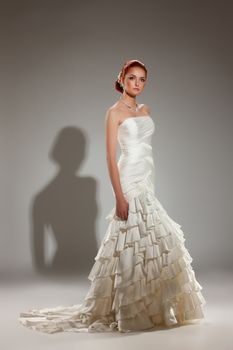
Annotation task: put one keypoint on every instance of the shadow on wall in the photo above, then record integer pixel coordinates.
(63, 214)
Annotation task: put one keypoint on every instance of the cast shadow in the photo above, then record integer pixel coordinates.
(65, 209)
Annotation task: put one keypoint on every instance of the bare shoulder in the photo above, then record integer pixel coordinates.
(145, 108)
(112, 113)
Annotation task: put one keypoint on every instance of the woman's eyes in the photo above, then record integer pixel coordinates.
(141, 79)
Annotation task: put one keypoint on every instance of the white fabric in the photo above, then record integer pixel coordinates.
(142, 275)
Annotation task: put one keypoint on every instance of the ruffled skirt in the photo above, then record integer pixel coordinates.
(142, 278)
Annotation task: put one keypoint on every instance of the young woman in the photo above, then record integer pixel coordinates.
(142, 277)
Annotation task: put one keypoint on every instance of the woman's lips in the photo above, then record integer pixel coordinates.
(136, 89)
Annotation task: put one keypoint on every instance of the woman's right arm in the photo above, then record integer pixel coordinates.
(111, 128)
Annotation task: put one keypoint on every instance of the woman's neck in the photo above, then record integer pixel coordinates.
(131, 100)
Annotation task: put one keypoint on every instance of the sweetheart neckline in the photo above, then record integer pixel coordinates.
(138, 116)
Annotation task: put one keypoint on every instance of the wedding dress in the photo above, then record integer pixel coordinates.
(142, 276)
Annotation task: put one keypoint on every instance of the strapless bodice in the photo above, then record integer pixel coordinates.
(136, 160)
(135, 131)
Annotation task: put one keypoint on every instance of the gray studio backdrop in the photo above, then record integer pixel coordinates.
(59, 61)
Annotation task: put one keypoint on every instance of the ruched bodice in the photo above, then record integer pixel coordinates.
(136, 163)
(135, 131)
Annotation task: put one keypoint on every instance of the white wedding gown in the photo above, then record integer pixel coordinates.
(142, 276)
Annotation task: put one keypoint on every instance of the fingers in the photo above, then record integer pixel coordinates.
(122, 211)
(122, 215)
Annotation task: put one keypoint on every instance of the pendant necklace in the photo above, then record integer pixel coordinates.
(130, 107)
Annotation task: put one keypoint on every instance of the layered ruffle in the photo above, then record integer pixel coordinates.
(152, 281)
(142, 277)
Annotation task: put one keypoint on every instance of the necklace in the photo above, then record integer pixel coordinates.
(136, 108)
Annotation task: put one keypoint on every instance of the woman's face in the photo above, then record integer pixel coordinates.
(134, 81)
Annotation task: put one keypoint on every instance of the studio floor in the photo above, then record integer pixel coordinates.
(21, 294)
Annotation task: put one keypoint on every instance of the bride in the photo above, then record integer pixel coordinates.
(142, 277)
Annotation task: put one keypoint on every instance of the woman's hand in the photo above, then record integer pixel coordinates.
(122, 208)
